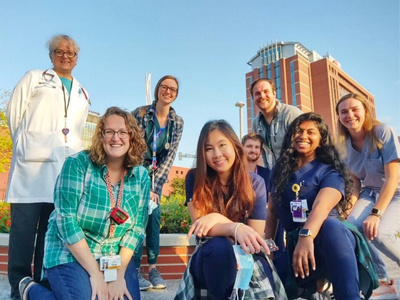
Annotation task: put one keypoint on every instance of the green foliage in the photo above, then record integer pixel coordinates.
(174, 214)
(5, 217)
(5, 138)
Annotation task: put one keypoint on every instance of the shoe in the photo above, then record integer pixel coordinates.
(386, 290)
(156, 279)
(143, 283)
(24, 286)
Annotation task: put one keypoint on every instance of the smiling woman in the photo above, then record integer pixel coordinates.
(95, 219)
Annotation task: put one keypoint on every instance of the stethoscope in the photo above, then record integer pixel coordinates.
(48, 78)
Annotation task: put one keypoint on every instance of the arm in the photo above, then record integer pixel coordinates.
(272, 221)
(165, 164)
(19, 102)
(303, 255)
(355, 192)
(118, 288)
(388, 189)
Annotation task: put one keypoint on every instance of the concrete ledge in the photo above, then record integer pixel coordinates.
(166, 240)
(4, 237)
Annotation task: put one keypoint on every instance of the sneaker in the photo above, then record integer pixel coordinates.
(386, 290)
(24, 286)
(143, 283)
(156, 279)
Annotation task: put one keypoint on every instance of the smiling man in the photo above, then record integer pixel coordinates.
(272, 121)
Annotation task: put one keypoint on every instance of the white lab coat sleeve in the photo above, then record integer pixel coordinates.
(19, 101)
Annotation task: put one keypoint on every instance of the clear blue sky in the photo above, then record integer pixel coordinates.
(206, 44)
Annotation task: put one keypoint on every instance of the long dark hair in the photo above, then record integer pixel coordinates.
(210, 195)
(326, 153)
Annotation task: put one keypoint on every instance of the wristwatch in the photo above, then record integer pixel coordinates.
(305, 232)
(376, 212)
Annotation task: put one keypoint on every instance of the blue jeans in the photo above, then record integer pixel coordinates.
(213, 268)
(387, 241)
(71, 282)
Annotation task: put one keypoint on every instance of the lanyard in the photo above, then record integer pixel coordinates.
(112, 198)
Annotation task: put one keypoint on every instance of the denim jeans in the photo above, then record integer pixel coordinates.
(387, 241)
(71, 282)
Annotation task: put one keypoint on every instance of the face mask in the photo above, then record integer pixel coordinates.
(152, 206)
(245, 270)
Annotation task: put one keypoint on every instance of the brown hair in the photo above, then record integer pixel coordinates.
(159, 83)
(270, 81)
(137, 146)
(369, 124)
(252, 136)
(238, 197)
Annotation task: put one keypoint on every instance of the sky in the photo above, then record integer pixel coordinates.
(206, 44)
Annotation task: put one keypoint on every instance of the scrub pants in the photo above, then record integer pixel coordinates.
(213, 268)
(152, 239)
(71, 282)
(334, 251)
(27, 221)
(388, 240)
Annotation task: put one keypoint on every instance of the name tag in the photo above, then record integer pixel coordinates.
(109, 265)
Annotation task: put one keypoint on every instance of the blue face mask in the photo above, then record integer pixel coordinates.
(245, 270)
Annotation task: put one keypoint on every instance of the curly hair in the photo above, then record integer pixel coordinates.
(137, 145)
(369, 124)
(210, 195)
(326, 153)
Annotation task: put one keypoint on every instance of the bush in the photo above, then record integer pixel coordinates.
(5, 217)
(174, 214)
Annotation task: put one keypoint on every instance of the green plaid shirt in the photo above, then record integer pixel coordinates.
(82, 208)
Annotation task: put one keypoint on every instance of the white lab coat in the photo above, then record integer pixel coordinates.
(36, 118)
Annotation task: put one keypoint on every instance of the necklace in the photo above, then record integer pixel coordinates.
(65, 130)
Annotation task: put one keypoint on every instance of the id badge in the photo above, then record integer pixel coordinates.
(299, 210)
(109, 265)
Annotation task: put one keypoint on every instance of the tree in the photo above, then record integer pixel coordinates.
(5, 137)
(178, 186)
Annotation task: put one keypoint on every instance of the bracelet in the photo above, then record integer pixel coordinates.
(237, 226)
(376, 215)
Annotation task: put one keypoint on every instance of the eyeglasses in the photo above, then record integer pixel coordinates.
(60, 53)
(108, 133)
(165, 88)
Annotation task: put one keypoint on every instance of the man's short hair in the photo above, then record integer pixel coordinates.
(252, 136)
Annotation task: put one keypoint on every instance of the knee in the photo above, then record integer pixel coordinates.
(218, 246)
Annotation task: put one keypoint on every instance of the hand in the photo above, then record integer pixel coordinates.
(370, 226)
(205, 223)
(303, 256)
(117, 289)
(99, 286)
(154, 197)
(250, 240)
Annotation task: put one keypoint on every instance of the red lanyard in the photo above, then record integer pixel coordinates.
(111, 194)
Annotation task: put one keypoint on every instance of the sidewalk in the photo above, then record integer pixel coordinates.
(172, 286)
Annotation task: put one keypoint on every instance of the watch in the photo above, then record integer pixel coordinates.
(376, 212)
(305, 232)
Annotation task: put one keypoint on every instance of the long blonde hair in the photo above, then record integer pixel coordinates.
(369, 125)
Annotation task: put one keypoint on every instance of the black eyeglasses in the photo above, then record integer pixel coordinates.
(60, 53)
(108, 133)
(165, 88)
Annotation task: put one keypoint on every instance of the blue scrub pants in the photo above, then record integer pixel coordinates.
(152, 239)
(71, 282)
(334, 250)
(213, 268)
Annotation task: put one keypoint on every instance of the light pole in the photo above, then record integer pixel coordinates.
(240, 105)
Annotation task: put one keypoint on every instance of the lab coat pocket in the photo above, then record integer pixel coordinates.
(40, 146)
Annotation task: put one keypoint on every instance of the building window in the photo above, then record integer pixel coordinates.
(293, 83)
(269, 71)
(260, 73)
